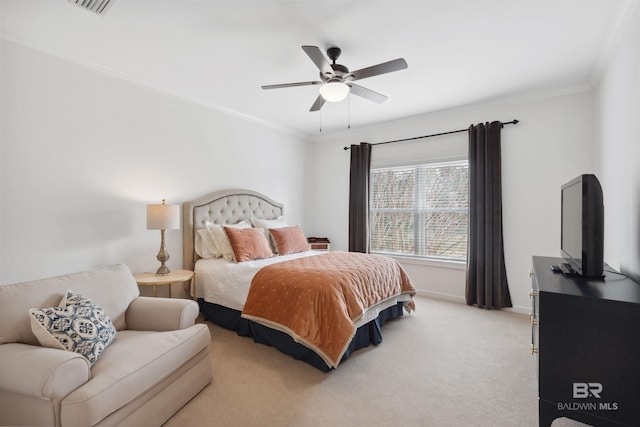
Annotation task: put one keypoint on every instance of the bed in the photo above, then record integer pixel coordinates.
(318, 307)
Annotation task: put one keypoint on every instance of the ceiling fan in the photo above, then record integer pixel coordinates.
(336, 79)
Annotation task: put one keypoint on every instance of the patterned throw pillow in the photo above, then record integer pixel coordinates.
(77, 324)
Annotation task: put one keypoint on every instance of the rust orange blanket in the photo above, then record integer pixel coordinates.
(318, 300)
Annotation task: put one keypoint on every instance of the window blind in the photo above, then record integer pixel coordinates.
(420, 210)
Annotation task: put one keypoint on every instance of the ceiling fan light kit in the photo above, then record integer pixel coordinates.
(334, 91)
(336, 79)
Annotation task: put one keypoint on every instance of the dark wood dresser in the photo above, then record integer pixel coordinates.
(586, 337)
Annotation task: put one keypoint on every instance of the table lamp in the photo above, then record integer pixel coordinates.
(163, 217)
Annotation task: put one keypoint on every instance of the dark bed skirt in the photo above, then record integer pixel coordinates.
(366, 334)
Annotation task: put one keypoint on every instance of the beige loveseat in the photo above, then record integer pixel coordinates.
(158, 361)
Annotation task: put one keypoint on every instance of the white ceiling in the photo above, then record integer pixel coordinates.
(219, 53)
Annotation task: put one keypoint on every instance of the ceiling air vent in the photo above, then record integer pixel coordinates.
(97, 6)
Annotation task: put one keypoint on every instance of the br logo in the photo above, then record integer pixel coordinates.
(585, 390)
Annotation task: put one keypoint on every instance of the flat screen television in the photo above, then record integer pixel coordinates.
(582, 228)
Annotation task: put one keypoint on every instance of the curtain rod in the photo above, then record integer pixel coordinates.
(512, 122)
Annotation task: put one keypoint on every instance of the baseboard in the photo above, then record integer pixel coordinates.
(455, 298)
(520, 309)
(439, 295)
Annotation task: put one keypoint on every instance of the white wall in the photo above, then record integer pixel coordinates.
(618, 150)
(552, 144)
(83, 153)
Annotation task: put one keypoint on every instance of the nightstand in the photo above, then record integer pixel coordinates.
(319, 243)
(176, 276)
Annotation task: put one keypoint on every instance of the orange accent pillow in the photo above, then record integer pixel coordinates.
(248, 243)
(289, 240)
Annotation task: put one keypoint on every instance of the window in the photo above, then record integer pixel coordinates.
(420, 210)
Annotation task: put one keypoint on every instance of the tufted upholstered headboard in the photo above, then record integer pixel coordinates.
(222, 207)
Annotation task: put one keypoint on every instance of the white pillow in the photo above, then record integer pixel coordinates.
(77, 324)
(267, 224)
(205, 246)
(222, 240)
(197, 244)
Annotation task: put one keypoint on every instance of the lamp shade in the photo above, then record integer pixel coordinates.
(163, 217)
(334, 91)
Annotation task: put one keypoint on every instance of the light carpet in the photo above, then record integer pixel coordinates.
(447, 364)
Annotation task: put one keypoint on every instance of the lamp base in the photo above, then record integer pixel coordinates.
(163, 270)
(163, 256)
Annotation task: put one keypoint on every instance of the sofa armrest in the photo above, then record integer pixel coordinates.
(161, 314)
(41, 371)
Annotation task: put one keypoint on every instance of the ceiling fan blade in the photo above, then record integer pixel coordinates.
(291, 85)
(375, 70)
(318, 104)
(367, 93)
(318, 58)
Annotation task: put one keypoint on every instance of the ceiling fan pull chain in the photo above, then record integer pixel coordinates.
(349, 111)
(320, 120)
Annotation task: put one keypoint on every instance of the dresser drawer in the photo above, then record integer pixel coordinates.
(319, 243)
(320, 246)
(584, 334)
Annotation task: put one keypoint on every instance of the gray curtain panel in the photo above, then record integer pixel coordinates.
(487, 285)
(359, 198)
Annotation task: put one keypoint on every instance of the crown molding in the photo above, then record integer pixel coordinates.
(400, 125)
(140, 81)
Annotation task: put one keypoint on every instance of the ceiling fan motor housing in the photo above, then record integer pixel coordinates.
(340, 72)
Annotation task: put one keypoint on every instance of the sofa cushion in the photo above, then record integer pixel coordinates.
(113, 288)
(77, 324)
(133, 363)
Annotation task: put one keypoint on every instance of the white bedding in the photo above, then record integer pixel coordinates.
(227, 283)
